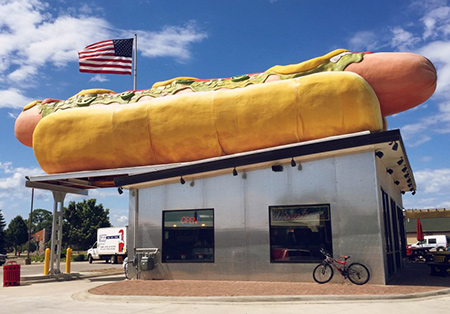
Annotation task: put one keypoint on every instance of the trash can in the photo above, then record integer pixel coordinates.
(11, 274)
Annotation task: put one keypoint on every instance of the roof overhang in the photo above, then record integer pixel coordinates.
(55, 187)
(381, 142)
(427, 213)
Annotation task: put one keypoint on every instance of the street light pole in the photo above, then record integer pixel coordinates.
(28, 259)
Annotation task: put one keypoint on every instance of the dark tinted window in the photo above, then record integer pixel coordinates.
(298, 232)
(188, 236)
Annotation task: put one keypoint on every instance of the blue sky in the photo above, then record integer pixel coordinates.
(39, 40)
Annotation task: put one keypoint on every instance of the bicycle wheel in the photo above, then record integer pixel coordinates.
(358, 273)
(323, 273)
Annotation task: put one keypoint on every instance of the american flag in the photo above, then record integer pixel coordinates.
(108, 56)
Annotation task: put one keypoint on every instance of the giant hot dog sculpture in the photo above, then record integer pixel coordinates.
(187, 119)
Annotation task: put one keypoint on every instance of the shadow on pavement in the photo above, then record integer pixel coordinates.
(418, 274)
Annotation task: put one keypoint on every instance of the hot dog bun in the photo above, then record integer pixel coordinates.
(185, 118)
(400, 81)
(194, 126)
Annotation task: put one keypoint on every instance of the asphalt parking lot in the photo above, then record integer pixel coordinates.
(37, 269)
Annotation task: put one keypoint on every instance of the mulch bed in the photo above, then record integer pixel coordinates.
(181, 288)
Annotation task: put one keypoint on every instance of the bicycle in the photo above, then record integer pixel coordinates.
(125, 267)
(357, 273)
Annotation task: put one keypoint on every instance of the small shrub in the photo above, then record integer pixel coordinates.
(78, 258)
(37, 258)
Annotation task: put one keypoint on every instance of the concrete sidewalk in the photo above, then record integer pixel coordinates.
(72, 297)
(76, 296)
(414, 281)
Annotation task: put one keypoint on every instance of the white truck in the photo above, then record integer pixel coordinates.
(434, 243)
(111, 245)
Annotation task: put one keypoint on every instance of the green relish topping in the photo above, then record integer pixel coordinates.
(334, 64)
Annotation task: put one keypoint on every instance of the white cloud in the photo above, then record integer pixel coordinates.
(436, 22)
(421, 131)
(433, 181)
(420, 140)
(99, 78)
(403, 40)
(419, 202)
(118, 217)
(116, 203)
(432, 41)
(438, 52)
(172, 41)
(88, 9)
(13, 98)
(426, 159)
(15, 197)
(365, 40)
(123, 220)
(13, 192)
(22, 73)
(31, 38)
(118, 220)
(107, 193)
(12, 179)
(410, 131)
(432, 189)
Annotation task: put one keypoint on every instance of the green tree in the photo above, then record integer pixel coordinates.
(81, 221)
(2, 234)
(41, 219)
(17, 232)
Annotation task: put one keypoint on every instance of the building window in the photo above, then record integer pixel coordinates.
(188, 236)
(297, 233)
(389, 247)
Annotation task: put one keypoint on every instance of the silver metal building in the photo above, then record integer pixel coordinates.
(264, 215)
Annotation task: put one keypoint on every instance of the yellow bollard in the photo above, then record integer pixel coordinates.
(47, 261)
(68, 259)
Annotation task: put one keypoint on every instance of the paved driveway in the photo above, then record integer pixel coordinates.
(73, 297)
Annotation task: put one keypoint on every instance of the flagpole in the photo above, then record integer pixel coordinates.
(135, 61)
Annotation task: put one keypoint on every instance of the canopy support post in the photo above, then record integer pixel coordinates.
(56, 241)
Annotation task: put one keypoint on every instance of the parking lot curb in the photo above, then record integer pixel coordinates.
(67, 277)
(87, 296)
